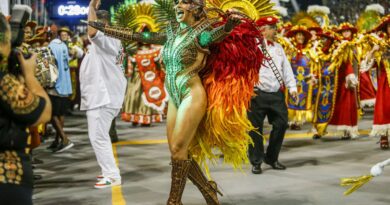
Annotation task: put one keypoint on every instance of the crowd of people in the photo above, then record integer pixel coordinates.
(304, 71)
(350, 10)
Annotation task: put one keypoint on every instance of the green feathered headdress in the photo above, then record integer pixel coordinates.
(367, 21)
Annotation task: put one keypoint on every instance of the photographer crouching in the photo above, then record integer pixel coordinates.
(22, 103)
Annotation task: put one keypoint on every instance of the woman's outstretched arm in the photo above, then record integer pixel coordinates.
(126, 34)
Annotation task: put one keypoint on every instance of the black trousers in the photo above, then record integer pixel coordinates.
(273, 106)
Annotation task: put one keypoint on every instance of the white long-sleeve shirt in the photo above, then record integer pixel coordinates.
(102, 81)
(268, 81)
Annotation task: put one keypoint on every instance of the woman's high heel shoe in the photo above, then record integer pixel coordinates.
(180, 170)
(209, 189)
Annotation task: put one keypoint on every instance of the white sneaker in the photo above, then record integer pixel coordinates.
(107, 182)
(63, 147)
(99, 177)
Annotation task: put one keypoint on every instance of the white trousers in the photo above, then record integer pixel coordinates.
(99, 122)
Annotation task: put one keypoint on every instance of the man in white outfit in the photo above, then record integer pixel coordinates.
(102, 85)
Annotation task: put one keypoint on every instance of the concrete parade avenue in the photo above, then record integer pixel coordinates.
(314, 169)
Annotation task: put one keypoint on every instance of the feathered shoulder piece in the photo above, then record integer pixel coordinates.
(344, 53)
(230, 75)
(231, 72)
(369, 40)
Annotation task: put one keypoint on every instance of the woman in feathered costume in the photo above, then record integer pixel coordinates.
(211, 68)
(379, 57)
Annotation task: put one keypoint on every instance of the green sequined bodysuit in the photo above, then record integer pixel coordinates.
(180, 53)
(184, 53)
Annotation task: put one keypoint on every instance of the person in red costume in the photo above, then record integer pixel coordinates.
(345, 113)
(379, 57)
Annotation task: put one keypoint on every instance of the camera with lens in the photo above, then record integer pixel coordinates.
(19, 17)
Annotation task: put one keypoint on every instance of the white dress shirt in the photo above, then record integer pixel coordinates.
(102, 81)
(268, 81)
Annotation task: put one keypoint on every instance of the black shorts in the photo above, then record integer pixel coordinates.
(59, 105)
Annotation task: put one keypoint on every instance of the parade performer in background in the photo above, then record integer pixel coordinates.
(368, 79)
(211, 68)
(345, 112)
(304, 65)
(324, 101)
(59, 95)
(29, 30)
(379, 57)
(146, 97)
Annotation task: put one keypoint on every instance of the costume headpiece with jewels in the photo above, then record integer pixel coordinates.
(346, 26)
(382, 26)
(299, 29)
(144, 13)
(254, 9)
(137, 17)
